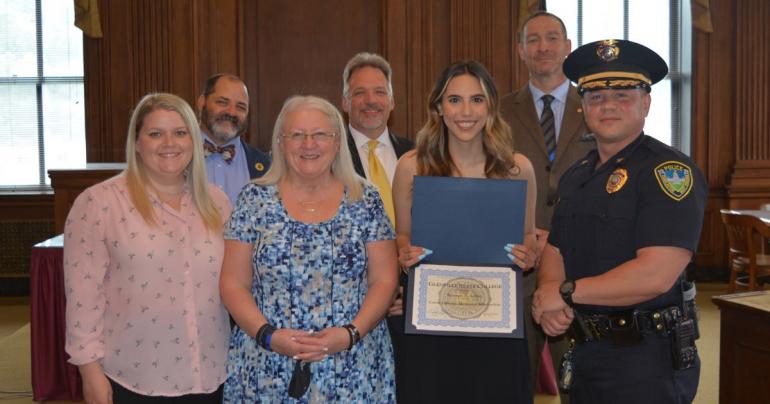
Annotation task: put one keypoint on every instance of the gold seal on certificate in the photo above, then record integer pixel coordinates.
(468, 286)
(464, 300)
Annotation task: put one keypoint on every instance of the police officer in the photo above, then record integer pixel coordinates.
(626, 225)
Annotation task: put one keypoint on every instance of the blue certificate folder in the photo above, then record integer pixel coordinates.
(468, 221)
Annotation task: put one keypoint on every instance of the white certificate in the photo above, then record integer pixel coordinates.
(464, 300)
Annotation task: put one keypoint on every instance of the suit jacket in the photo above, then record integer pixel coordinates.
(519, 111)
(257, 161)
(400, 144)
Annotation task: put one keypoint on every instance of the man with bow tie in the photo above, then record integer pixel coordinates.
(223, 111)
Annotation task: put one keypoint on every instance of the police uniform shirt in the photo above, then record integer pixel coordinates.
(647, 195)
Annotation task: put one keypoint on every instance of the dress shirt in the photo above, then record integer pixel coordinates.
(230, 177)
(557, 105)
(385, 152)
(142, 299)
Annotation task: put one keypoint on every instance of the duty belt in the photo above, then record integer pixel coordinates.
(623, 328)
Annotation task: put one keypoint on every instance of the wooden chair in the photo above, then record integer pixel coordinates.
(747, 235)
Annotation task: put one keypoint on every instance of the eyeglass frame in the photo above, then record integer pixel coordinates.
(299, 137)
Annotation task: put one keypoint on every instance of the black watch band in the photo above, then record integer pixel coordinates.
(566, 290)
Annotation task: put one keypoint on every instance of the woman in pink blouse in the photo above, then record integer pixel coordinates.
(142, 256)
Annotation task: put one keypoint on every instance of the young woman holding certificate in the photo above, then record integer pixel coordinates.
(464, 137)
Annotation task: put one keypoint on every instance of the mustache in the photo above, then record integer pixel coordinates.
(228, 118)
(373, 106)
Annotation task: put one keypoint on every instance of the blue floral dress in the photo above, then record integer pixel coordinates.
(309, 277)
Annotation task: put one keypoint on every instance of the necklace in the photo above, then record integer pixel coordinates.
(310, 206)
(314, 197)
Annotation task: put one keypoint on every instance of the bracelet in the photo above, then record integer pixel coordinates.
(264, 335)
(355, 336)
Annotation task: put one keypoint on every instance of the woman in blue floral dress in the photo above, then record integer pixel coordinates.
(310, 270)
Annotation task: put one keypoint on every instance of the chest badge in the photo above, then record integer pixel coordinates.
(675, 179)
(259, 166)
(616, 181)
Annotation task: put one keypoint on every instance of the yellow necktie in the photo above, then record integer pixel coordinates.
(380, 179)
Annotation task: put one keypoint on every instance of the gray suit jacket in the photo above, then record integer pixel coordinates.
(519, 112)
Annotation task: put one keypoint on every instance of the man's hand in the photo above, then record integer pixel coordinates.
(397, 307)
(547, 299)
(542, 238)
(555, 323)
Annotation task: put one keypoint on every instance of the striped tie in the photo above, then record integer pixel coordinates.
(380, 179)
(548, 127)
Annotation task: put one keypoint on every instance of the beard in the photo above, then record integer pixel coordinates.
(223, 127)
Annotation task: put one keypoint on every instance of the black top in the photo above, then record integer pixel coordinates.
(648, 194)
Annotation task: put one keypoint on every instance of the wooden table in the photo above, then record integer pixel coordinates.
(53, 378)
(744, 353)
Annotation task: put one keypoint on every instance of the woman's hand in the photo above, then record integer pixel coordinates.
(331, 340)
(410, 255)
(297, 344)
(96, 386)
(522, 256)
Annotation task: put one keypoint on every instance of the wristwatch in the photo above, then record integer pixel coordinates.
(566, 290)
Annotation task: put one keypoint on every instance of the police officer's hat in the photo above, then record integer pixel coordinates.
(614, 64)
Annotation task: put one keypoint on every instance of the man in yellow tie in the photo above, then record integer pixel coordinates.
(367, 98)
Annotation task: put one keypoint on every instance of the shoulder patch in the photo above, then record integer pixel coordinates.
(674, 178)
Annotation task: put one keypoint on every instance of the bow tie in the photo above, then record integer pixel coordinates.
(227, 152)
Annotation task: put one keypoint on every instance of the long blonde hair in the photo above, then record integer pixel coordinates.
(195, 173)
(433, 156)
(342, 166)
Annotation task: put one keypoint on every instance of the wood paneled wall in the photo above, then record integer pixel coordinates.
(281, 48)
(750, 179)
(731, 128)
(148, 46)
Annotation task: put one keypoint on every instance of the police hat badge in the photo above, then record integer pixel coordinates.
(614, 64)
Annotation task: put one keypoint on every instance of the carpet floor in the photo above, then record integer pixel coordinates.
(16, 386)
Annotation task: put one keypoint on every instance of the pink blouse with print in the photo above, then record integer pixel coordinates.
(142, 299)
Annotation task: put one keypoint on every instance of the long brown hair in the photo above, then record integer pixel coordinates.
(432, 140)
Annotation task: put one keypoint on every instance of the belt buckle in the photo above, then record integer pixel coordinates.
(624, 329)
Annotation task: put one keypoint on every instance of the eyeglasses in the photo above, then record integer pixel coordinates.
(299, 137)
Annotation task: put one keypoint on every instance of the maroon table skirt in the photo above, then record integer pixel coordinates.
(53, 378)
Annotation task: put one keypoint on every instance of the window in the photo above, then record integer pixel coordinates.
(643, 21)
(42, 115)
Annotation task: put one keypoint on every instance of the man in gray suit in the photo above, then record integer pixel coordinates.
(548, 127)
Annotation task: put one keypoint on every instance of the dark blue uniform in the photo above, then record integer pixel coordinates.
(647, 195)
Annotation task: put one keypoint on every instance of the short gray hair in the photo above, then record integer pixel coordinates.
(366, 59)
(342, 166)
